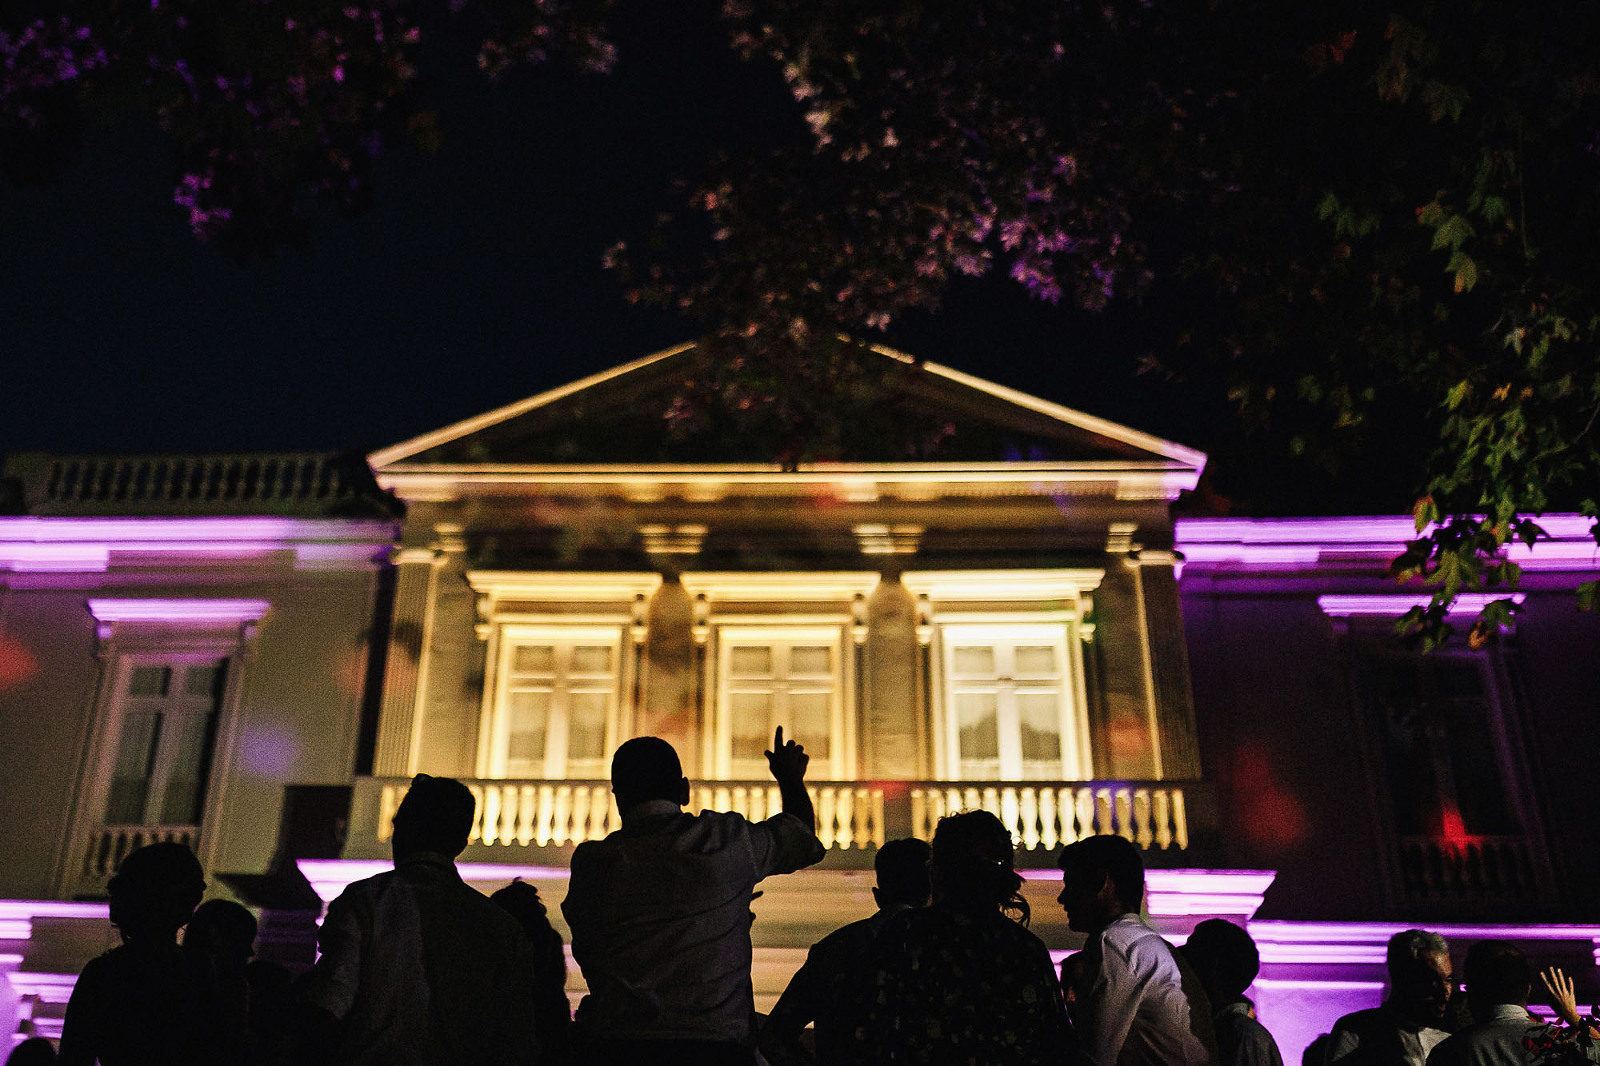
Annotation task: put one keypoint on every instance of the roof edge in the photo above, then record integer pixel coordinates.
(1170, 450)
(1071, 415)
(395, 452)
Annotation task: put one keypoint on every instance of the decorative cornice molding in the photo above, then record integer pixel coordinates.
(560, 586)
(672, 540)
(803, 586)
(876, 539)
(30, 544)
(1288, 544)
(846, 482)
(1393, 605)
(1027, 586)
(191, 611)
(1119, 538)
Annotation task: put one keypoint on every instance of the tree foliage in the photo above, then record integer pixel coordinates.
(1360, 219)
(267, 106)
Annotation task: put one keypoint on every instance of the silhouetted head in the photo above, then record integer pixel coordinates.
(521, 900)
(902, 868)
(224, 932)
(1225, 959)
(1497, 972)
(646, 768)
(1102, 878)
(1419, 975)
(155, 891)
(34, 1051)
(436, 815)
(970, 865)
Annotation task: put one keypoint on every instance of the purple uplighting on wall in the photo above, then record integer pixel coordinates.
(1395, 604)
(1289, 542)
(33, 545)
(178, 610)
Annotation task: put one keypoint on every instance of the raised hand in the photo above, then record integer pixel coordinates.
(1563, 994)
(786, 760)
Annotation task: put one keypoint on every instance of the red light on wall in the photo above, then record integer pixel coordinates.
(1451, 828)
(1270, 815)
(17, 663)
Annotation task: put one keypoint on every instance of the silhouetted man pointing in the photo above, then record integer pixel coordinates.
(660, 910)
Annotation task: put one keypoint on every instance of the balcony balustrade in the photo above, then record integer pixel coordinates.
(850, 814)
(110, 844)
(269, 483)
(1474, 871)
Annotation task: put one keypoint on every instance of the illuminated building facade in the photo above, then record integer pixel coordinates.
(256, 660)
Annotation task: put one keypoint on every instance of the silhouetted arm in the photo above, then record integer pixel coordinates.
(788, 764)
(332, 984)
(796, 1008)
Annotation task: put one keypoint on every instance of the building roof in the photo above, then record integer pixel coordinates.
(618, 417)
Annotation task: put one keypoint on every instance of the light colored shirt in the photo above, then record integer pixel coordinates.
(1501, 1039)
(1144, 1006)
(1243, 1041)
(660, 918)
(422, 969)
(1382, 1031)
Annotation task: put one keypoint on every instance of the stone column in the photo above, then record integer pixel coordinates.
(670, 710)
(1123, 720)
(1169, 667)
(405, 668)
(890, 742)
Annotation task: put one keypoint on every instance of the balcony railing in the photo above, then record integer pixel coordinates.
(110, 844)
(1475, 870)
(1151, 815)
(850, 814)
(287, 483)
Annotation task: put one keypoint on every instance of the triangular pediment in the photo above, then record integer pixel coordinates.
(900, 411)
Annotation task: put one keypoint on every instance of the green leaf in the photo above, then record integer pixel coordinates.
(1452, 233)
(1589, 596)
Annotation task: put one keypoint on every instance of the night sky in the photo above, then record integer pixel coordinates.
(475, 280)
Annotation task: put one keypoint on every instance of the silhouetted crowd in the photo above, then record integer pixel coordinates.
(416, 967)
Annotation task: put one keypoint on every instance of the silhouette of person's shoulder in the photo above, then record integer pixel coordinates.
(138, 1004)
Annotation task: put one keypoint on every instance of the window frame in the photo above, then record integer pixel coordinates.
(1018, 630)
(133, 632)
(1010, 599)
(749, 633)
(494, 733)
(1362, 638)
(125, 704)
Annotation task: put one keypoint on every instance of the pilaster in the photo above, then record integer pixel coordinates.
(405, 669)
(1169, 667)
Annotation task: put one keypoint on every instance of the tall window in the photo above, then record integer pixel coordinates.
(1444, 750)
(1008, 709)
(779, 676)
(556, 705)
(168, 716)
